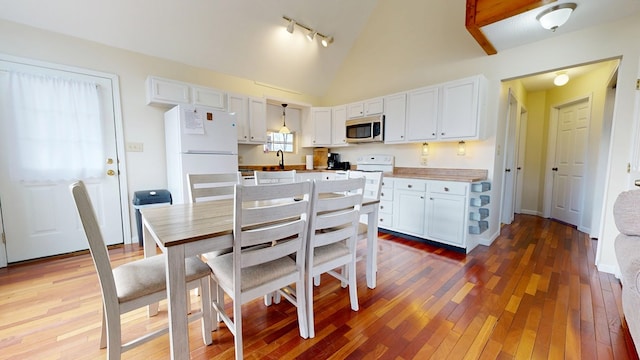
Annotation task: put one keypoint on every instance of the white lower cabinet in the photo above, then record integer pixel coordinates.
(409, 206)
(446, 212)
(434, 210)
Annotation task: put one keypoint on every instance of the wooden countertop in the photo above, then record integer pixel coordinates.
(443, 174)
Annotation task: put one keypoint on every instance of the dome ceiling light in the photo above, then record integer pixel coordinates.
(554, 17)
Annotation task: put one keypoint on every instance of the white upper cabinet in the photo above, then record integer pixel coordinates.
(446, 112)
(321, 125)
(460, 118)
(338, 124)
(251, 118)
(239, 105)
(206, 96)
(394, 118)
(257, 120)
(422, 114)
(162, 91)
(365, 108)
(167, 92)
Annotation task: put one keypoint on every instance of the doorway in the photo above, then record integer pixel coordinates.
(39, 218)
(539, 95)
(568, 146)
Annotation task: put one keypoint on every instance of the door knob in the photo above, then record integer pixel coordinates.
(554, 169)
(507, 170)
(109, 161)
(111, 172)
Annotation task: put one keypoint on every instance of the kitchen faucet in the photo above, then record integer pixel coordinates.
(281, 163)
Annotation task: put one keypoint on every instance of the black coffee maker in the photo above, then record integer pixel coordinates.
(333, 161)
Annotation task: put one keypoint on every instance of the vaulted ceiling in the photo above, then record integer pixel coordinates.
(247, 38)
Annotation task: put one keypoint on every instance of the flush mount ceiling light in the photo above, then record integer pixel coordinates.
(555, 16)
(284, 129)
(311, 33)
(561, 79)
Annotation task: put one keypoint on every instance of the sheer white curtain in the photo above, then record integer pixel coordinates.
(56, 127)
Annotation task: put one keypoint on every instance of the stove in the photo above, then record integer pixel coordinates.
(374, 162)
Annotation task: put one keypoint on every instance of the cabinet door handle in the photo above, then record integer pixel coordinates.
(382, 194)
(381, 207)
(421, 197)
(446, 188)
(409, 186)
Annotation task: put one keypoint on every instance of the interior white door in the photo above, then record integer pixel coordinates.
(39, 218)
(570, 162)
(510, 157)
(519, 173)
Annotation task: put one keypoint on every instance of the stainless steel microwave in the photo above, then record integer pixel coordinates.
(366, 129)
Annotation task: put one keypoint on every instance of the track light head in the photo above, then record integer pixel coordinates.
(311, 35)
(326, 41)
(291, 26)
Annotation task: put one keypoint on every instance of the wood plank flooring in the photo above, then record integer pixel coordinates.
(534, 294)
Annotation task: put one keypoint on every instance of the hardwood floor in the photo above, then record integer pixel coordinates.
(535, 293)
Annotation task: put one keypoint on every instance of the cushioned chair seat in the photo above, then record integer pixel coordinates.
(147, 276)
(222, 267)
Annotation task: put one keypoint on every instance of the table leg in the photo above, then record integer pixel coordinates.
(177, 302)
(372, 247)
(149, 250)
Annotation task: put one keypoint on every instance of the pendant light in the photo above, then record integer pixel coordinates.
(284, 129)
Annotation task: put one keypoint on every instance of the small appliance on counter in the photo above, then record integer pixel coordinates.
(332, 161)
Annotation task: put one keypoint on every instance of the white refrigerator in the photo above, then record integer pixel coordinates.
(199, 140)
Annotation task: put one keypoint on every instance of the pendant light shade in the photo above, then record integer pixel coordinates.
(284, 129)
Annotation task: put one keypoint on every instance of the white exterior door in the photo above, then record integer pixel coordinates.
(570, 162)
(40, 218)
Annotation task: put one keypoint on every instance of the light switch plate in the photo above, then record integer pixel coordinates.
(135, 147)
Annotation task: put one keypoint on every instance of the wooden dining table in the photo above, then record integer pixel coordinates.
(184, 230)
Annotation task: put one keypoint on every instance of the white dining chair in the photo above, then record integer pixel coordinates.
(135, 284)
(269, 228)
(372, 189)
(335, 210)
(207, 187)
(274, 177)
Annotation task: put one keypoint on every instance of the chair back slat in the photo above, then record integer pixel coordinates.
(274, 177)
(268, 222)
(373, 182)
(335, 210)
(206, 187)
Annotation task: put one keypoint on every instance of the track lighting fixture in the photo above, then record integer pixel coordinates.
(311, 35)
(290, 26)
(326, 40)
